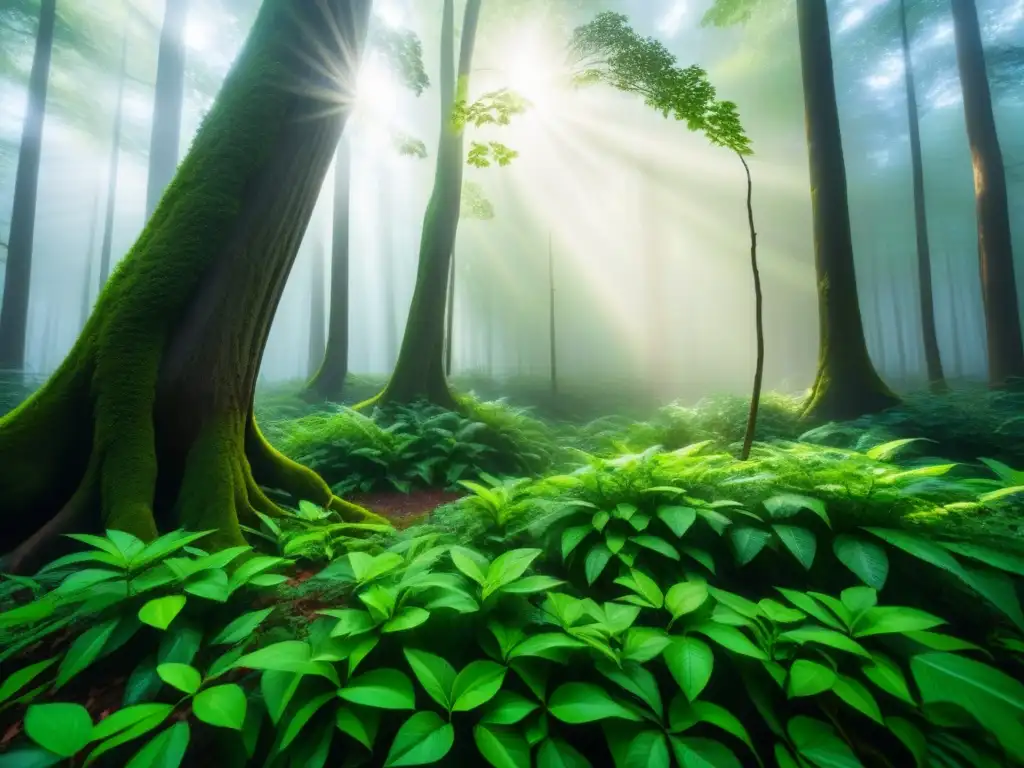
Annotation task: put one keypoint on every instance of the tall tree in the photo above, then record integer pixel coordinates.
(18, 273)
(386, 260)
(317, 310)
(115, 158)
(552, 335)
(933, 360)
(148, 423)
(90, 261)
(168, 99)
(995, 247)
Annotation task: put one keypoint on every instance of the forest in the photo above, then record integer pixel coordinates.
(512, 383)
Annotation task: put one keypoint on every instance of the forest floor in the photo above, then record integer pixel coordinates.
(402, 509)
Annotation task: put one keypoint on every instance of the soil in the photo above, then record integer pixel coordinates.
(402, 509)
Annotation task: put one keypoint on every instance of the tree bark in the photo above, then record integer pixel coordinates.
(329, 380)
(90, 260)
(933, 360)
(115, 157)
(148, 423)
(317, 311)
(846, 385)
(168, 98)
(995, 247)
(18, 274)
(419, 371)
(386, 258)
(449, 327)
(552, 338)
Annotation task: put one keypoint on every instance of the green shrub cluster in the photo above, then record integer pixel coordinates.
(811, 607)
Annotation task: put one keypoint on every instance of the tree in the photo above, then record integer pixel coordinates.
(933, 360)
(148, 423)
(168, 97)
(18, 274)
(115, 158)
(995, 246)
(317, 310)
(847, 384)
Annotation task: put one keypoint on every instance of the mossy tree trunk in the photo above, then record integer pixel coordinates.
(419, 372)
(846, 385)
(148, 423)
(18, 274)
(329, 380)
(168, 98)
(995, 245)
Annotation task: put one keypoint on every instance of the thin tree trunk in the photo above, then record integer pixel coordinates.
(387, 264)
(552, 338)
(115, 158)
(755, 397)
(933, 360)
(846, 385)
(317, 310)
(449, 339)
(903, 369)
(955, 319)
(168, 98)
(18, 274)
(329, 380)
(995, 247)
(90, 260)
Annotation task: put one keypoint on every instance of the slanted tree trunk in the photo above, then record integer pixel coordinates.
(419, 372)
(933, 360)
(995, 247)
(317, 320)
(329, 380)
(115, 158)
(846, 385)
(18, 275)
(148, 423)
(168, 97)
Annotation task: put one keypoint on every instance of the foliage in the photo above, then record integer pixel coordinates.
(403, 51)
(607, 50)
(475, 204)
(492, 108)
(808, 607)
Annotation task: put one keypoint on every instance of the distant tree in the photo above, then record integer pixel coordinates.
(115, 156)
(317, 310)
(995, 245)
(18, 272)
(148, 423)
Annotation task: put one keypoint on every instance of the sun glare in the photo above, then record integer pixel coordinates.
(197, 33)
(390, 13)
(377, 99)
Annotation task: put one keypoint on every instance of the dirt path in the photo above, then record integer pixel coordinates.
(404, 508)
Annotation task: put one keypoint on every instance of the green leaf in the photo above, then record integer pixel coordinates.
(160, 612)
(894, 620)
(124, 735)
(808, 678)
(423, 739)
(366, 567)
(786, 505)
(165, 750)
(644, 586)
(857, 696)
(731, 638)
(678, 519)
(531, 584)
(508, 708)
(241, 628)
(720, 717)
(690, 661)
(361, 723)
(382, 688)
(912, 738)
(817, 742)
(702, 753)
(886, 674)
(555, 753)
(64, 729)
(302, 716)
(502, 748)
(351, 621)
(800, 541)
(471, 563)
(600, 520)
(614, 540)
(810, 606)
(701, 556)
(18, 680)
(123, 719)
(508, 567)
(837, 640)
(571, 538)
(634, 678)
(686, 597)
(644, 643)
(405, 619)
(84, 650)
(476, 684)
(597, 559)
(780, 613)
(994, 558)
(221, 705)
(648, 749)
(435, 674)
(546, 645)
(748, 542)
(287, 656)
(577, 703)
(181, 676)
(865, 558)
(656, 544)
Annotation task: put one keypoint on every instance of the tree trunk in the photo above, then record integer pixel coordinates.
(90, 260)
(168, 97)
(115, 157)
(387, 266)
(552, 345)
(995, 248)
(329, 380)
(317, 321)
(18, 275)
(933, 360)
(148, 423)
(847, 384)
(419, 372)
(449, 330)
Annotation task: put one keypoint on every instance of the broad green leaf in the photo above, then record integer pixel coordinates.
(686, 597)
(382, 688)
(301, 717)
(646, 587)
(508, 708)
(597, 559)
(435, 674)
(84, 650)
(810, 606)
(912, 738)
(886, 674)
(808, 678)
(471, 563)
(181, 676)
(634, 678)
(423, 739)
(644, 643)
(63, 729)
(786, 505)
(278, 688)
(547, 645)
(720, 717)
(748, 542)
(555, 753)
(221, 705)
(678, 519)
(732, 639)
(124, 735)
(818, 743)
(736, 602)
(476, 684)
(886, 451)
(369, 567)
(123, 719)
(701, 556)
(702, 753)
(859, 600)
(939, 642)
(822, 636)
(614, 540)
(287, 656)
(502, 748)
(780, 613)
(576, 703)
(648, 749)
(15, 681)
(995, 558)
(361, 723)
(165, 750)
(865, 558)
(531, 584)
(571, 538)
(690, 661)
(241, 628)
(894, 620)
(857, 696)
(656, 544)
(405, 619)
(379, 600)
(508, 567)
(160, 612)
(351, 621)
(600, 520)
(800, 541)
